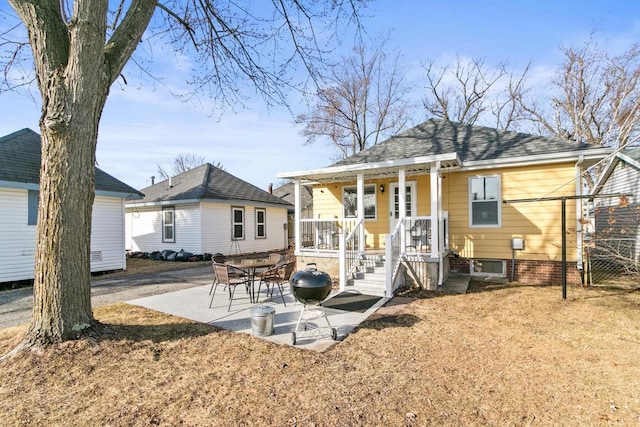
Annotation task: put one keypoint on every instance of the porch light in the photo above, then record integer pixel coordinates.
(381, 188)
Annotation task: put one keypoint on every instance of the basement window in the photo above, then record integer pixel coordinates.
(488, 267)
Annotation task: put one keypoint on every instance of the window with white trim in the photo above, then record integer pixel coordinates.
(350, 201)
(484, 201)
(237, 223)
(261, 223)
(168, 225)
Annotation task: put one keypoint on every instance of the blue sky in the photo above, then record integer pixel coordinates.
(143, 125)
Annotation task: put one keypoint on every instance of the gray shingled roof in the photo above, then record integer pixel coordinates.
(469, 142)
(287, 193)
(20, 163)
(207, 182)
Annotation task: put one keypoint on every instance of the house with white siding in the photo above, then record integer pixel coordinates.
(206, 210)
(19, 190)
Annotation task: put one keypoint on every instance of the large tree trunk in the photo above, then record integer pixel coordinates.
(62, 298)
(75, 67)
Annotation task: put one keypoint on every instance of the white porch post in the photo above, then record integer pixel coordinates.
(434, 181)
(402, 207)
(342, 260)
(360, 207)
(297, 212)
(388, 266)
(437, 224)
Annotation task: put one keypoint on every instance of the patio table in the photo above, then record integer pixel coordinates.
(251, 266)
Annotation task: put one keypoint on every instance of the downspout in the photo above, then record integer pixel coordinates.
(578, 167)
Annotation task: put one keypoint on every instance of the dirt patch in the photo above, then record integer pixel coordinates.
(501, 355)
(141, 266)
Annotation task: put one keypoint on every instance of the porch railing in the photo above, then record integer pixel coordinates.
(323, 235)
(352, 248)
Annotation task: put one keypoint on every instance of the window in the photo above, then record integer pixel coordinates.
(168, 225)
(261, 223)
(237, 218)
(488, 267)
(350, 201)
(32, 207)
(484, 201)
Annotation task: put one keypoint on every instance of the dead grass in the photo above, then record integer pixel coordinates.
(501, 355)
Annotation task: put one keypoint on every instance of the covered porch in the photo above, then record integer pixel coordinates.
(383, 220)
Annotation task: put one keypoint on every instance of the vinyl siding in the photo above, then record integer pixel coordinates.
(204, 228)
(18, 242)
(144, 229)
(538, 223)
(107, 234)
(216, 230)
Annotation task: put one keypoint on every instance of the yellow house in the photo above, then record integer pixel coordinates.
(445, 197)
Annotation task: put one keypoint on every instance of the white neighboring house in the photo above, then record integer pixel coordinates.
(206, 210)
(19, 189)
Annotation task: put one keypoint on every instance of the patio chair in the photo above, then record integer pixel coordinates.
(223, 274)
(277, 276)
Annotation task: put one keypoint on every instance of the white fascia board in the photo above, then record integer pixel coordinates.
(345, 169)
(36, 187)
(630, 160)
(160, 203)
(232, 202)
(19, 185)
(119, 194)
(543, 159)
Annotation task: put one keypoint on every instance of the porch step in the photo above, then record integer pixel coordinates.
(370, 276)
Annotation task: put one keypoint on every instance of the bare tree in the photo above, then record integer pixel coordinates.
(361, 101)
(468, 91)
(79, 48)
(184, 162)
(594, 97)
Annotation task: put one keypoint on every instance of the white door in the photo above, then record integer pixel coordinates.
(394, 203)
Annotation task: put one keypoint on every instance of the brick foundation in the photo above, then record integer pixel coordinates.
(530, 272)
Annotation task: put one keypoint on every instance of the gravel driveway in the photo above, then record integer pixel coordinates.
(16, 304)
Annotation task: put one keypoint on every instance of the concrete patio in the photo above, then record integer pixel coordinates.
(193, 304)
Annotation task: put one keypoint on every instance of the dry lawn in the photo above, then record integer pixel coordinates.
(501, 355)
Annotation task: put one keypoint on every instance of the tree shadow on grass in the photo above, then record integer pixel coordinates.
(156, 333)
(400, 320)
(124, 321)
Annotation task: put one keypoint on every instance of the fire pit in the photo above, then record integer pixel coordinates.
(311, 287)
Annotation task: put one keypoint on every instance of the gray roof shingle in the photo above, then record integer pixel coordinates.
(20, 163)
(470, 142)
(207, 182)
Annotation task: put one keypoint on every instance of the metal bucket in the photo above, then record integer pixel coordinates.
(262, 320)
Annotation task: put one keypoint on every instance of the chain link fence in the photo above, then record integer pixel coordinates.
(612, 241)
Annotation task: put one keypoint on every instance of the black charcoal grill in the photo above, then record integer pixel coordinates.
(311, 287)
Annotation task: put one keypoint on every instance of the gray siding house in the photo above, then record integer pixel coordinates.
(616, 221)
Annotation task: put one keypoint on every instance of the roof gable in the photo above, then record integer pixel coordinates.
(20, 154)
(207, 182)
